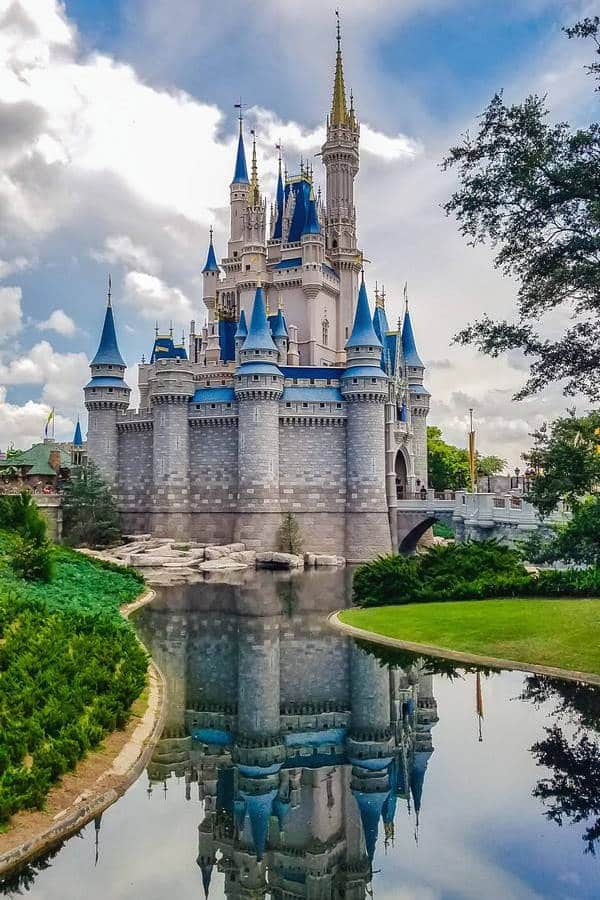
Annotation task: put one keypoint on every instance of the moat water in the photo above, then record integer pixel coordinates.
(295, 763)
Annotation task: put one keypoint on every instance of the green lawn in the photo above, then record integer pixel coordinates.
(563, 633)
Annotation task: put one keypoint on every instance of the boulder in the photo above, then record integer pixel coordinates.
(244, 556)
(214, 552)
(213, 565)
(136, 538)
(324, 560)
(148, 560)
(271, 559)
(309, 559)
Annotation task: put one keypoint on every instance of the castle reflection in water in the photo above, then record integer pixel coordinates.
(298, 742)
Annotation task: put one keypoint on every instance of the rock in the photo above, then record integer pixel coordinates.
(143, 560)
(214, 552)
(271, 559)
(324, 560)
(309, 559)
(136, 538)
(244, 556)
(341, 560)
(176, 546)
(235, 548)
(212, 565)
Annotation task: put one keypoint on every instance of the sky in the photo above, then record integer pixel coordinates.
(117, 135)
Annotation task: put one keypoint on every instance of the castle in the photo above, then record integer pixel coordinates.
(292, 398)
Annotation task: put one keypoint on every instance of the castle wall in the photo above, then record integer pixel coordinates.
(259, 516)
(313, 482)
(102, 441)
(314, 663)
(213, 480)
(135, 478)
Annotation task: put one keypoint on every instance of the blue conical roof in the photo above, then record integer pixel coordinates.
(279, 328)
(258, 807)
(417, 776)
(240, 176)
(311, 225)
(77, 438)
(259, 333)
(211, 259)
(370, 806)
(363, 333)
(242, 329)
(409, 346)
(108, 351)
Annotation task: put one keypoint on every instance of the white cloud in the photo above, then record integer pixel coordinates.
(10, 266)
(61, 375)
(154, 299)
(60, 322)
(23, 425)
(11, 314)
(120, 249)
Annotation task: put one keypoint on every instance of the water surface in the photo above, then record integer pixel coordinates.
(298, 763)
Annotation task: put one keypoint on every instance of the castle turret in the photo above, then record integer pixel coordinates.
(238, 198)
(365, 386)
(258, 389)
(171, 388)
(341, 160)
(418, 398)
(278, 211)
(240, 335)
(210, 280)
(106, 396)
(281, 337)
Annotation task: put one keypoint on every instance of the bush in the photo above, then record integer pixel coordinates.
(289, 535)
(31, 561)
(90, 516)
(473, 570)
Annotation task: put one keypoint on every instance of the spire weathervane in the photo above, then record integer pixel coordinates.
(240, 106)
(406, 295)
(109, 290)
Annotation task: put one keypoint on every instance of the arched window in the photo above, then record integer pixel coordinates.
(325, 325)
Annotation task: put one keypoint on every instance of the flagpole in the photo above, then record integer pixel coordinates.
(472, 454)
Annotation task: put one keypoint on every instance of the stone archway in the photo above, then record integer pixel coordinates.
(408, 543)
(401, 471)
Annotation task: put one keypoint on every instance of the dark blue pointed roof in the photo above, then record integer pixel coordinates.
(240, 176)
(363, 333)
(242, 328)
(259, 333)
(258, 809)
(311, 225)
(409, 346)
(370, 806)
(77, 438)
(279, 220)
(211, 259)
(108, 351)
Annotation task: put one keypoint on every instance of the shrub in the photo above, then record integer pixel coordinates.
(388, 579)
(31, 561)
(289, 535)
(90, 516)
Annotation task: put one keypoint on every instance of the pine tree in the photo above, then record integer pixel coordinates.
(289, 535)
(90, 514)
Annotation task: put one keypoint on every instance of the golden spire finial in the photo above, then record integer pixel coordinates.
(339, 110)
(254, 191)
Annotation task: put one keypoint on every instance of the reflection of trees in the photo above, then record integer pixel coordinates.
(572, 791)
(23, 879)
(429, 665)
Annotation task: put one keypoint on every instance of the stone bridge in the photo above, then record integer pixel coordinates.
(507, 517)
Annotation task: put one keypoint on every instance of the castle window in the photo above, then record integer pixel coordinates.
(110, 390)
(110, 367)
(235, 251)
(247, 268)
(373, 381)
(305, 405)
(273, 377)
(322, 405)
(197, 406)
(355, 381)
(294, 381)
(338, 405)
(329, 381)
(228, 405)
(255, 378)
(213, 405)
(223, 381)
(257, 352)
(346, 332)
(312, 381)
(289, 405)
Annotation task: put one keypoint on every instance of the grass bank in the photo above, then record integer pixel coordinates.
(560, 633)
(70, 669)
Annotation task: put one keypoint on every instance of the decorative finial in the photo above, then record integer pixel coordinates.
(156, 329)
(240, 106)
(254, 191)
(109, 290)
(171, 328)
(143, 358)
(376, 291)
(338, 29)
(406, 295)
(279, 149)
(210, 232)
(383, 293)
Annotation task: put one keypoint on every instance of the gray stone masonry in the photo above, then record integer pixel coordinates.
(370, 692)
(367, 522)
(259, 677)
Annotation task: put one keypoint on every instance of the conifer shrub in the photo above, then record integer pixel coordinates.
(290, 540)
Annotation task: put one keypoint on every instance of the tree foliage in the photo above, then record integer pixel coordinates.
(31, 553)
(290, 540)
(448, 466)
(90, 516)
(532, 190)
(565, 456)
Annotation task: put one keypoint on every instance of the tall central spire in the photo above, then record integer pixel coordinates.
(254, 195)
(339, 110)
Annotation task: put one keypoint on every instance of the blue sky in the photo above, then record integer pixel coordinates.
(117, 147)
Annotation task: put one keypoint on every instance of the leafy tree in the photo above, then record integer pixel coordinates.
(565, 456)
(448, 466)
(532, 189)
(90, 515)
(577, 540)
